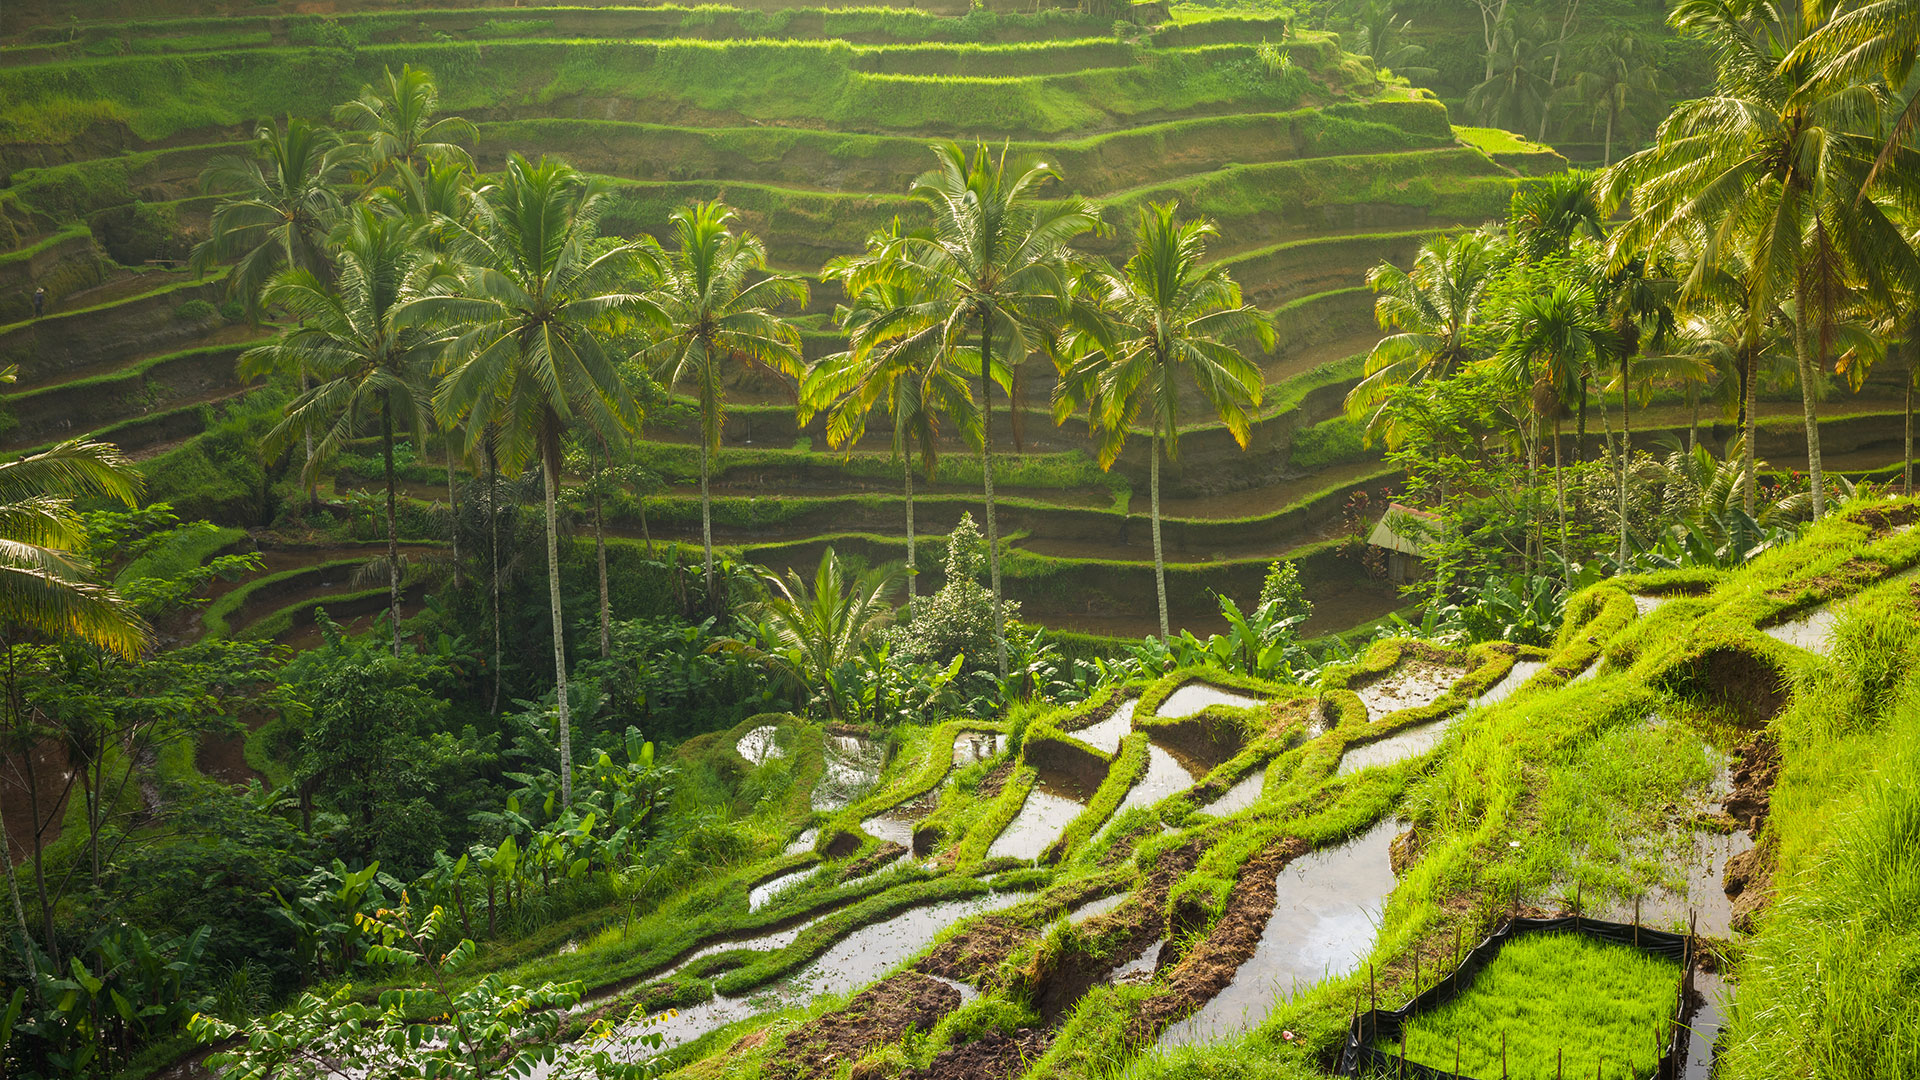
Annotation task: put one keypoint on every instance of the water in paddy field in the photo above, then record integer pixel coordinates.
(1042, 818)
(767, 890)
(1106, 734)
(1412, 684)
(1194, 696)
(803, 842)
(758, 746)
(1703, 1026)
(1164, 777)
(1096, 908)
(1647, 605)
(1521, 671)
(1809, 631)
(1328, 907)
(853, 767)
(1139, 969)
(975, 746)
(1409, 743)
(1238, 797)
(852, 962)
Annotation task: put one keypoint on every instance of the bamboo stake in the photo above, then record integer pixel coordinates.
(1560, 1064)
(1456, 1057)
(1503, 1056)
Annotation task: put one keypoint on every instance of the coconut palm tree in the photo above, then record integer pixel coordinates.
(1514, 93)
(367, 364)
(1618, 80)
(1549, 339)
(1430, 311)
(527, 345)
(399, 128)
(717, 305)
(895, 355)
(1167, 320)
(1877, 39)
(997, 262)
(1765, 175)
(48, 587)
(277, 208)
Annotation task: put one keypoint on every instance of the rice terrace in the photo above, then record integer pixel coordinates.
(966, 540)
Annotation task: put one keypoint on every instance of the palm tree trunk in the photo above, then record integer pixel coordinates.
(1750, 400)
(1808, 407)
(1560, 498)
(1693, 416)
(19, 909)
(393, 534)
(600, 552)
(913, 568)
(559, 630)
(1906, 473)
(1580, 427)
(453, 513)
(706, 517)
(1626, 450)
(1533, 487)
(493, 540)
(986, 476)
(1153, 508)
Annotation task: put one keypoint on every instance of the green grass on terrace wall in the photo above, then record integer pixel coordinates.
(158, 97)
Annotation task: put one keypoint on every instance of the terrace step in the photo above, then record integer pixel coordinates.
(67, 409)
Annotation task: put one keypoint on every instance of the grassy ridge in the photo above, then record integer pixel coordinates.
(790, 81)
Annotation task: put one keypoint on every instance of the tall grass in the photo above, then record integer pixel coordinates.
(1830, 983)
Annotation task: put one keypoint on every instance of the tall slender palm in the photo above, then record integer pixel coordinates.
(278, 206)
(1618, 82)
(1880, 38)
(996, 264)
(399, 126)
(1514, 93)
(1550, 339)
(1765, 174)
(896, 357)
(527, 351)
(1432, 310)
(367, 364)
(48, 588)
(718, 305)
(1168, 320)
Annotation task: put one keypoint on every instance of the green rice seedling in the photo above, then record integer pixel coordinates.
(1552, 1001)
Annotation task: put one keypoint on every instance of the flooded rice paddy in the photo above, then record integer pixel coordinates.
(1195, 696)
(1238, 797)
(970, 747)
(764, 892)
(760, 745)
(852, 962)
(853, 767)
(1515, 678)
(1809, 631)
(1165, 776)
(1327, 909)
(1096, 908)
(1394, 748)
(1106, 734)
(1041, 819)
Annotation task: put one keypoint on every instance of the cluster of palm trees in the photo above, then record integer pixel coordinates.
(1772, 233)
(416, 296)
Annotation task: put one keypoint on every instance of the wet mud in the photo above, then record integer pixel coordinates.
(1411, 684)
(875, 1017)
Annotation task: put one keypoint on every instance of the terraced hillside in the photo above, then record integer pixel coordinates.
(1202, 871)
(809, 120)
